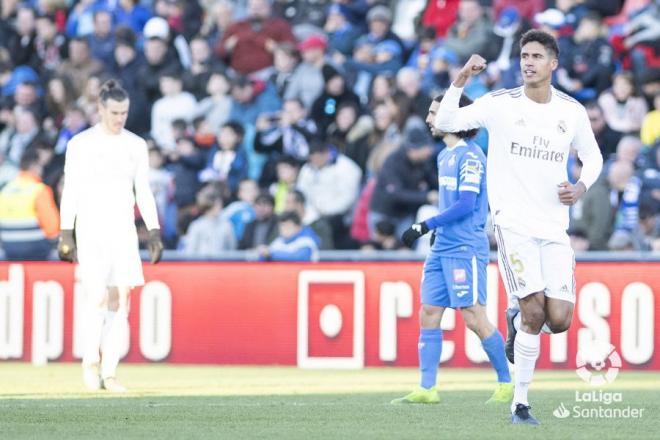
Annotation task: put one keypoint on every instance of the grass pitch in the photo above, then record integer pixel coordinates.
(193, 402)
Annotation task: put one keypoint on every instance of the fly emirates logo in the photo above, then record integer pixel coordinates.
(540, 149)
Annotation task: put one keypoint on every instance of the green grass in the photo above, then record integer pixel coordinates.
(192, 402)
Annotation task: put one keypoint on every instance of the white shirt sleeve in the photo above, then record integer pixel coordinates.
(451, 119)
(72, 185)
(587, 149)
(143, 195)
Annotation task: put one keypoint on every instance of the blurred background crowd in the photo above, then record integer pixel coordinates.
(315, 109)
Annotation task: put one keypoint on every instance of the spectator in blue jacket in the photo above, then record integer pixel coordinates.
(227, 161)
(295, 242)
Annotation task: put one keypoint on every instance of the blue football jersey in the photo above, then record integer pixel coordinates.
(462, 168)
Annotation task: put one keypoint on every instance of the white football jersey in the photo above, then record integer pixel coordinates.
(528, 149)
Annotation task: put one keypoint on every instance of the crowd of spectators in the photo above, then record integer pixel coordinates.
(288, 126)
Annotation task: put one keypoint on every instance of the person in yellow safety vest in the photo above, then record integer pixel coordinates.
(29, 218)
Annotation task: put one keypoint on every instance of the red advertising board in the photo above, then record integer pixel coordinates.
(328, 315)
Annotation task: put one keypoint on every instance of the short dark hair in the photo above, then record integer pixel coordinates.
(29, 158)
(298, 196)
(265, 197)
(237, 128)
(463, 102)
(541, 37)
(111, 89)
(290, 216)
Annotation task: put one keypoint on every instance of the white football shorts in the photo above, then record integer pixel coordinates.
(529, 265)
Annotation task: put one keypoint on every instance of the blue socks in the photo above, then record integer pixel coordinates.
(430, 348)
(494, 347)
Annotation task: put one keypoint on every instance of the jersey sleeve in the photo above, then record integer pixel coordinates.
(72, 184)
(587, 148)
(451, 119)
(143, 195)
(470, 172)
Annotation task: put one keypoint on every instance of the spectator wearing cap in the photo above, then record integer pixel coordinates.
(306, 83)
(102, 40)
(586, 60)
(623, 110)
(335, 94)
(210, 234)
(371, 59)
(80, 66)
(471, 33)
(573, 11)
(294, 243)
(286, 133)
(174, 104)
(29, 95)
(261, 231)
(331, 183)
(21, 41)
(407, 181)
(247, 46)
(340, 31)
(49, 45)
(295, 201)
(379, 23)
(158, 56)
(132, 14)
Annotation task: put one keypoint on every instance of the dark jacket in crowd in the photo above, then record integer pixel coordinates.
(259, 232)
(185, 170)
(402, 186)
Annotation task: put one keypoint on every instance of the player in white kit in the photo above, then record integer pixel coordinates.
(531, 130)
(105, 174)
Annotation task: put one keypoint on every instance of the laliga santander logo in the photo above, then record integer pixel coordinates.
(596, 356)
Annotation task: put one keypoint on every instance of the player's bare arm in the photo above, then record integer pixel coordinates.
(474, 66)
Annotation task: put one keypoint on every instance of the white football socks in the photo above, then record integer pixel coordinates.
(115, 329)
(526, 351)
(93, 335)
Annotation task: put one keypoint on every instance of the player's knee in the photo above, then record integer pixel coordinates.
(430, 316)
(559, 326)
(470, 319)
(534, 318)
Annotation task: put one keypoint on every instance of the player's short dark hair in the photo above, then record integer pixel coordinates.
(543, 38)
(290, 216)
(386, 228)
(111, 89)
(463, 102)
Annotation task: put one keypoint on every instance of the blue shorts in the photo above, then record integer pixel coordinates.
(454, 282)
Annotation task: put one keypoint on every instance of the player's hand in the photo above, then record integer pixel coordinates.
(474, 66)
(66, 246)
(155, 245)
(413, 233)
(569, 193)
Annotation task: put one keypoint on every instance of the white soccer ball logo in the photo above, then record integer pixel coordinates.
(596, 356)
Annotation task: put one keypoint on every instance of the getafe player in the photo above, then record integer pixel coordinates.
(455, 270)
(531, 129)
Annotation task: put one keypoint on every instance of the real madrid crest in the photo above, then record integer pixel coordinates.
(561, 127)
